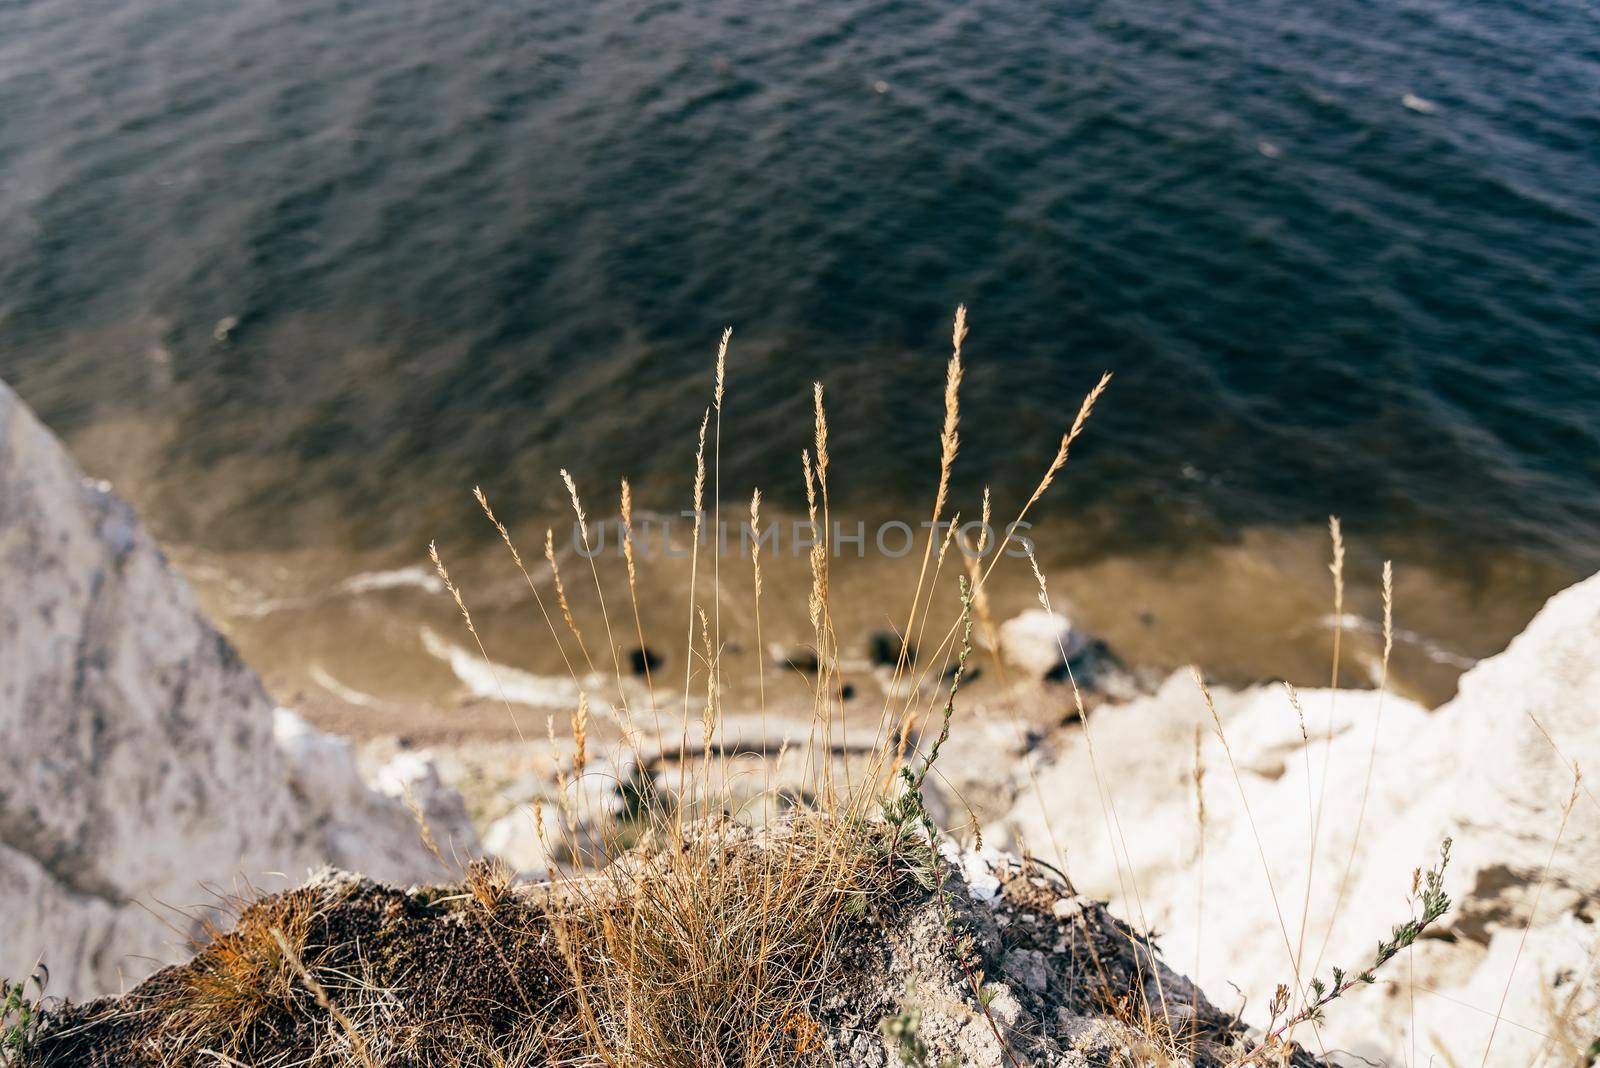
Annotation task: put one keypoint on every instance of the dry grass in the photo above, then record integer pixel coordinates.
(249, 986)
(704, 948)
(713, 950)
(711, 953)
(243, 985)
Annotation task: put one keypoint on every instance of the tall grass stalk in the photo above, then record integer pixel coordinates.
(1244, 801)
(1102, 788)
(1533, 911)
(624, 713)
(466, 616)
(1336, 569)
(1372, 761)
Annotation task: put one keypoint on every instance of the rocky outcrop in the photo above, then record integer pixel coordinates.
(141, 768)
(1484, 768)
(486, 972)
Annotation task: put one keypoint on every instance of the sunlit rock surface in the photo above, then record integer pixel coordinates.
(1479, 769)
(140, 770)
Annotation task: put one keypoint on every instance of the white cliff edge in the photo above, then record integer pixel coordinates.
(143, 768)
(1478, 769)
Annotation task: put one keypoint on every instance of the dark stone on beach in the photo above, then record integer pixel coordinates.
(644, 660)
(798, 658)
(1095, 668)
(884, 649)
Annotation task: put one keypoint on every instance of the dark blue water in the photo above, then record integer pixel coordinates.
(1343, 257)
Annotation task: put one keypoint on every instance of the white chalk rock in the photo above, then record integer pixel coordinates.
(321, 767)
(1478, 769)
(515, 839)
(142, 767)
(413, 779)
(1038, 641)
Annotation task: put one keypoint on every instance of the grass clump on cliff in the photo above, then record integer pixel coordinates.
(713, 950)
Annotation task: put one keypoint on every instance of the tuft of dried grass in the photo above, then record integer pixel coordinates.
(714, 952)
(708, 715)
(821, 417)
(700, 470)
(444, 576)
(241, 990)
(358, 1044)
(722, 362)
(626, 511)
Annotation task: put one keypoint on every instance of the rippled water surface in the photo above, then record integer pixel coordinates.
(298, 274)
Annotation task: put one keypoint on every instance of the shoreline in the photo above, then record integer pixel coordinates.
(358, 640)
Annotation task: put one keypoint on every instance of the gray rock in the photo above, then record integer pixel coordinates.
(140, 768)
(1027, 966)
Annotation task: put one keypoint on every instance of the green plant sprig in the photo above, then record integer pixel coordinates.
(20, 1018)
(1435, 903)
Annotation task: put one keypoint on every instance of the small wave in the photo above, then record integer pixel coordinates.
(344, 693)
(397, 578)
(245, 602)
(494, 681)
(252, 605)
(1427, 646)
